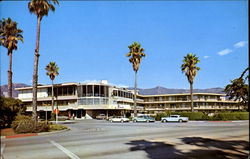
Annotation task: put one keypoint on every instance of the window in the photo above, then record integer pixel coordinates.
(90, 90)
(96, 90)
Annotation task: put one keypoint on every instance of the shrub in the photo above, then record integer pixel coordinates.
(243, 116)
(232, 116)
(55, 127)
(42, 127)
(9, 108)
(25, 124)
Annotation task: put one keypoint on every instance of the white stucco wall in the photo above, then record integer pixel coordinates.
(25, 94)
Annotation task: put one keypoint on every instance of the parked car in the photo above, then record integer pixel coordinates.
(119, 119)
(174, 118)
(101, 117)
(143, 118)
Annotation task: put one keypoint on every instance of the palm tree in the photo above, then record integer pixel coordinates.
(238, 90)
(40, 8)
(52, 72)
(190, 69)
(9, 37)
(135, 53)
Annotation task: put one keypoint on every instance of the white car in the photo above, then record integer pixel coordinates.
(119, 119)
(174, 118)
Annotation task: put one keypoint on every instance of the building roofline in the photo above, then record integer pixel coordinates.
(180, 94)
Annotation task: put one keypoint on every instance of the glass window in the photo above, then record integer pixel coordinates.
(96, 90)
(115, 92)
(90, 90)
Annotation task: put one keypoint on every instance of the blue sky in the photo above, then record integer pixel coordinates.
(88, 41)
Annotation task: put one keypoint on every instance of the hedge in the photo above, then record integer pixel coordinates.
(204, 116)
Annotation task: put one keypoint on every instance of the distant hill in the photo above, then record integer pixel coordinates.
(4, 89)
(163, 90)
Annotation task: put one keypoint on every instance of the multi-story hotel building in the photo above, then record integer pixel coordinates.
(87, 100)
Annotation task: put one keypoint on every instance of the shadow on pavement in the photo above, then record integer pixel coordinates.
(207, 149)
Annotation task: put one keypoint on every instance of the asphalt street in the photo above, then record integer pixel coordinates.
(95, 139)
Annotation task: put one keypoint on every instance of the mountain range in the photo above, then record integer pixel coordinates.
(163, 90)
(147, 91)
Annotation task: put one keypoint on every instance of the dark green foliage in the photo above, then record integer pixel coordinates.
(238, 89)
(191, 115)
(223, 116)
(232, 116)
(10, 107)
(25, 124)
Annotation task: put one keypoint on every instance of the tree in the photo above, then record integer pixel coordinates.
(9, 109)
(190, 69)
(40, 8)
(135, 53)
(9, 37)
(52, 72)
(238, 90)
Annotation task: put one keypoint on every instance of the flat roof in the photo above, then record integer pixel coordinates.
(181, 94)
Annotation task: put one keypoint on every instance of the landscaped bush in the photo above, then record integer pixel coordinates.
(191, 115)
(232, 116)
(9, 108)
(23, 124)
(54, 127)
(42, 127)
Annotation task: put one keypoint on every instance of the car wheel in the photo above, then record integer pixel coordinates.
(180, 120)
(134, 121)
(147, 121)
(164, 121)
(121, 121)
(111, 121)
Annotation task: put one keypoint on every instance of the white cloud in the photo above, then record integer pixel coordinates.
(240, 44)
(224, 52)
(205, 57)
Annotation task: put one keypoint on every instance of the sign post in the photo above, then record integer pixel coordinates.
(56, 111)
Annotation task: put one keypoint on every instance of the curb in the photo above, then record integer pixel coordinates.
(32, 134)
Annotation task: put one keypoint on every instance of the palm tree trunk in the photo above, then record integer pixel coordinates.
(10, 74)
(35, 73)
(135, 88)
(52, 104)
(191, 96)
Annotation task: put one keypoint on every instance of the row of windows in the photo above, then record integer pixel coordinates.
(93, 101)
(93, 91)
(62, 91)
(200, 104)
(48, 103)
(122, 94)
(181, 98)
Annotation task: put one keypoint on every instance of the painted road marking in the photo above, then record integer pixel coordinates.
(2, 148)
(67, 152)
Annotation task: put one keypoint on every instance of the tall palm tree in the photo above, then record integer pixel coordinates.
(136, 52)
(9, 37)
(40, 8)
(190, 69)
(52, 72)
